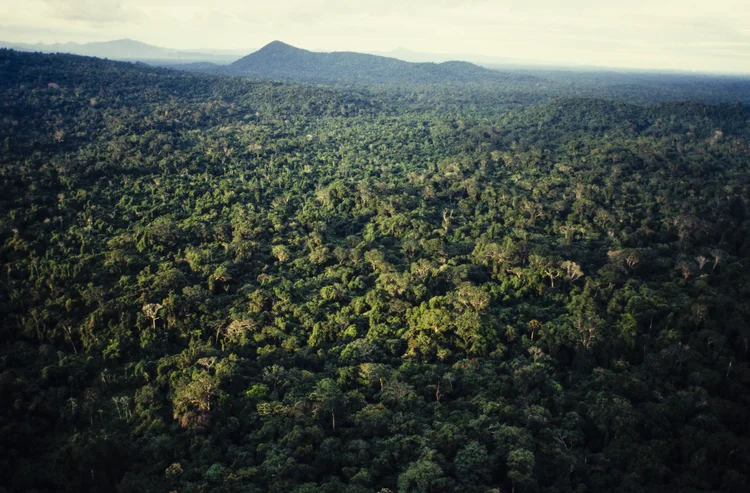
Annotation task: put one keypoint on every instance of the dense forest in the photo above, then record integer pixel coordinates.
(221, 284)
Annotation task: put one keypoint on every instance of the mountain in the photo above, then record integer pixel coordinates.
(279, 60)
(127, 50)
(481, 60)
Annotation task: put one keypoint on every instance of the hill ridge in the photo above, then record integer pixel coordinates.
(280, 60)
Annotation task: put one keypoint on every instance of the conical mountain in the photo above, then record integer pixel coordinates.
(279, 60)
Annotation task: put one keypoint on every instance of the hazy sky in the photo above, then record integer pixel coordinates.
(709, 35)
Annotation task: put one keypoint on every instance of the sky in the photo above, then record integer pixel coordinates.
(703, 36)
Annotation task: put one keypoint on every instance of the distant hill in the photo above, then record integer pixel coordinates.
(127, 50)
(187, 66)
(279, 60)
(494, 62)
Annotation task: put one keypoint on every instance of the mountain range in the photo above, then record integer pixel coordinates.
(130, 50)
(278, 60)
(281, 61)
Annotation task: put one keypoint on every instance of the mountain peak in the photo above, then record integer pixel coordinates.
(278, 60)
(124, 41)
(279, 46)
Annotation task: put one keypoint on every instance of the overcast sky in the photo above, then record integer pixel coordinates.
(710, 35)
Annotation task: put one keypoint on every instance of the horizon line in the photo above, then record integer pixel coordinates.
(501, 62)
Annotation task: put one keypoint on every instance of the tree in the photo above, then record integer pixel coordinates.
(572, 270)
(422, 476)
(281, 253)
(520, 463)
(472, 297)
(152, 311)
(472, 463)
(587, 322)
(329, 399)
(196, 392)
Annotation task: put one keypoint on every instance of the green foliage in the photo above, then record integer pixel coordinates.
(218, 284)
(422, 476)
